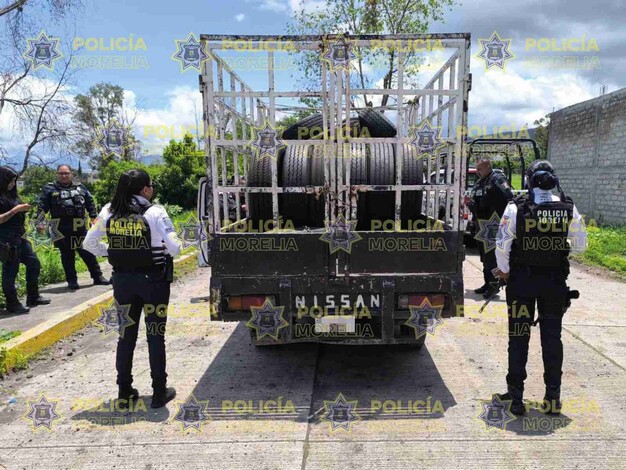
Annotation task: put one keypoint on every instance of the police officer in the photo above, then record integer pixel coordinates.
(536, 234)
(67, 203)
(142, 241)
(490, 195)
(14, 248)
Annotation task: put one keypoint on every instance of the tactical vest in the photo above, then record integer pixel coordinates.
(130, 241)
(542, 231)
(479, 194)
(68, 201)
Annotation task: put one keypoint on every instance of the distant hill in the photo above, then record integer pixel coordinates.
(151, 159)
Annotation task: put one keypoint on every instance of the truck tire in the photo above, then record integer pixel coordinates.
(376, 123)
(260, 175)
(412, 173)
(296, 170)
(382, 171)
(313, 125)
(359, 162)
(316, 205)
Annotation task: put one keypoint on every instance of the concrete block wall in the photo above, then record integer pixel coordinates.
(587, 146)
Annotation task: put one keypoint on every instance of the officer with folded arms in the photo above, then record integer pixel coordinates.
(67, 203)
(15, 248)
(142, 241)
(536, 234)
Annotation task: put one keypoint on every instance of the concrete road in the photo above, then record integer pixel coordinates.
(270, 407)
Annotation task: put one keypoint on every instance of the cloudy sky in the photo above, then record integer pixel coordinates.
(535, 81)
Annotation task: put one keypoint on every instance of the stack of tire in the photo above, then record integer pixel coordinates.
(371, 164)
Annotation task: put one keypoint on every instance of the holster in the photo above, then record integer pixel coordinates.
(169, 268)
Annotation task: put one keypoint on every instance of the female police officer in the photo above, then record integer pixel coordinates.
(142, 241)
(14, 248)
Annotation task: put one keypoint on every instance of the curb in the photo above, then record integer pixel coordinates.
(18, 350)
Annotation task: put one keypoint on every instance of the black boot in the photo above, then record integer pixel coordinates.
(482, 290)
(552, 400)
(491, 290)
(516, 395)
(39, 300)
(128, 394)
(161, 396)
(73, 285)
(17, 308)
(100, 281)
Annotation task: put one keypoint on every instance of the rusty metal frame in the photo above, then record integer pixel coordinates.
(240, 103)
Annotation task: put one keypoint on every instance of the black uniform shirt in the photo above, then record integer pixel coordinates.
(15, 225)
(491, 194)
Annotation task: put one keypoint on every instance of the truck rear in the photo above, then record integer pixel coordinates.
(321, 230)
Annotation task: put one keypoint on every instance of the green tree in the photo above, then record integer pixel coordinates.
(96, 112)
(365, 17)
(542, 134)
(109, 175)
(183, 166)
(35, 178)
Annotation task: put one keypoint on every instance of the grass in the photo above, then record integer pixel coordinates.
(52, 269)
(6, 335)
(607, 248)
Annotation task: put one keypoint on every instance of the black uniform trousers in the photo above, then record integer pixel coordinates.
(68, 246)
(150, 292)
(546, 287)
(488, 259)
(10, 269)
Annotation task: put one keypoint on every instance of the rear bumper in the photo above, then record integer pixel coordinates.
(387, 324)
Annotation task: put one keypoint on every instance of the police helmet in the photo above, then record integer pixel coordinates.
(540, 174)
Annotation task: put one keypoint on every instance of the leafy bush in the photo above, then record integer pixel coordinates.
(607, 248)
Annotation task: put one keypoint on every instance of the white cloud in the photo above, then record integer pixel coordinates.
(277, 6)
(240, 17)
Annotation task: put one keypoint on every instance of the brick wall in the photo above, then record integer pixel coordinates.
(587, 147)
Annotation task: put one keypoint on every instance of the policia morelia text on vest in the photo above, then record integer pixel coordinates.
(130, 247)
